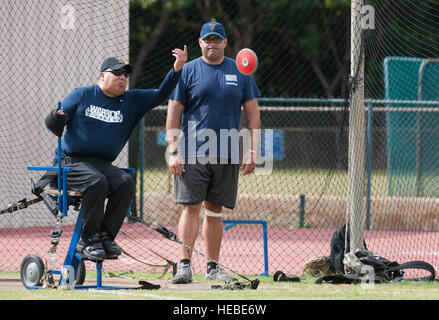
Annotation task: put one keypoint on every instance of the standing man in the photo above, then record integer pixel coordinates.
(99, 120)
(208, 100)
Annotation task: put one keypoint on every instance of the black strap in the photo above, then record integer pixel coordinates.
(280, 276)
(20, 204)
(416, 264)
(145, 285)
(339, 279)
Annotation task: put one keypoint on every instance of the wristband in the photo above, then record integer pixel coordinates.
(252, 151)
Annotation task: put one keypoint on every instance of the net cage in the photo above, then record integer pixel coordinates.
(348, 123)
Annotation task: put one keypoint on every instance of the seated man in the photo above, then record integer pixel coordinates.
(99, 120)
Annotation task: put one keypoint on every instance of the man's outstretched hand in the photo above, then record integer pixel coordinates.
(180, 58)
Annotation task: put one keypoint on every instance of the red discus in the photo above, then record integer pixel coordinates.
(247, 61)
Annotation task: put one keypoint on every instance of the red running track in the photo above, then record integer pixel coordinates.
(242, 250)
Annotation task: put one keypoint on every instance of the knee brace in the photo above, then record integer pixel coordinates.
(213, 214)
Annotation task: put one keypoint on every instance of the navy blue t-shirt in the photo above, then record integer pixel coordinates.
(212, 96)
(99, 125)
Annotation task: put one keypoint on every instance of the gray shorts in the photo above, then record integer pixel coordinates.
(216, 183)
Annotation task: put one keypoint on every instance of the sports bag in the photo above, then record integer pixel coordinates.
(353, 268)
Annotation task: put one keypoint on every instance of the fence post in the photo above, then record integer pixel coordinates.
(356, 165)
(142, 161)
(369, 160)
(302, 211)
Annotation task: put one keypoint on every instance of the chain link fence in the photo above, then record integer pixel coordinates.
(301, 190)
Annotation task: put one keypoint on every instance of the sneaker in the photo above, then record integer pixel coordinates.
(183, 275)
(112, 250)
(217, 274)
(91, 248)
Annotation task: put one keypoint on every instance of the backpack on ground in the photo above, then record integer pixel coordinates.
(365, 265)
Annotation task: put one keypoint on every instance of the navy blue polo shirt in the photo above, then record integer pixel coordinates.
(212, 96)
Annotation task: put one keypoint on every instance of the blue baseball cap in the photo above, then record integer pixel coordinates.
(215, 28)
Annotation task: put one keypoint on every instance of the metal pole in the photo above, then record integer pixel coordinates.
(60, 208)
(369, 161)
(142, 161)
(302, 211)
(419, 190)
(356, 162)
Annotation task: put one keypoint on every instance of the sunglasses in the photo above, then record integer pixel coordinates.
(118, 73)
(215, 40)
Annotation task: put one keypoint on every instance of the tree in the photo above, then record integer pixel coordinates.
(303, 45)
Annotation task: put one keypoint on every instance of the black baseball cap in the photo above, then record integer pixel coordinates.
(114, 63)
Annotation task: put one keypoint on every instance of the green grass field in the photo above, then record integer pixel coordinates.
(278, 182)
(268, 289)
(310, 182)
